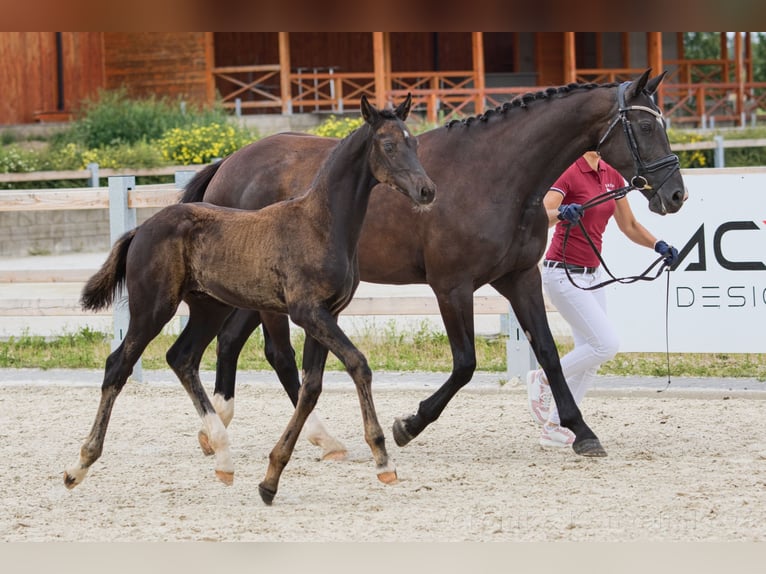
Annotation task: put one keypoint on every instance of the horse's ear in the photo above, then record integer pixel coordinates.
(369, 113)
(638, 86)
(403, 109)
(654, 83)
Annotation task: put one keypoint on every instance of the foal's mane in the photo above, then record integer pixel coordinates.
(523, 100)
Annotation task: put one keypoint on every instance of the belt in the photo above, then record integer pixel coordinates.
(571, 268)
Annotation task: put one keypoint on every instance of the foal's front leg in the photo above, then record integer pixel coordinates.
(314, 358)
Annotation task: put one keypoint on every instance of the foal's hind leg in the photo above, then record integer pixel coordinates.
(281, 356)
(119, 366)
(205, 318)
(524, 291)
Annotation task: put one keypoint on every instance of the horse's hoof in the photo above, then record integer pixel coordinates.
(589, 447)
(401, 434)
(388, 477)
(267, 495)
(335, 455)
(204, 443)
(225, 477)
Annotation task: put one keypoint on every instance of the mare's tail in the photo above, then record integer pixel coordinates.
(98, 292)
(196, 187)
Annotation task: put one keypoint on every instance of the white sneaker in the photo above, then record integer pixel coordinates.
(556, 435)
(538, 396)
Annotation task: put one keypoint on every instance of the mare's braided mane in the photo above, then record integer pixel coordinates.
(523, 100)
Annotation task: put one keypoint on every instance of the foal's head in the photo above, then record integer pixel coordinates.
(393, 157)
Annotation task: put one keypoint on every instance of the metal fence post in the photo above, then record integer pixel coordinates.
(718, 156)
(94, 179)
(519, 355)
(121, 219)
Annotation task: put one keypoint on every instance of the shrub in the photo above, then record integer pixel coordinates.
(112, 119)
(337, 128)
(201, 144)
(691, 158)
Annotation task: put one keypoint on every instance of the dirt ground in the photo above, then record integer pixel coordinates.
(681, 467)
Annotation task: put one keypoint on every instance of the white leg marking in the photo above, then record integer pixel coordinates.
(224, 408)
(318, 436)
(219, 440)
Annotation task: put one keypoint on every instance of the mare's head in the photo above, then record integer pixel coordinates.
(636, 142)
(393, 156)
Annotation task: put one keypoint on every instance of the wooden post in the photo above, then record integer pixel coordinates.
(477, 43)
(570, 60)
(285, 86)
(121, 219)
(379, 68)
(654, 55)
(625, 39)
(209, 65)
(739, 77)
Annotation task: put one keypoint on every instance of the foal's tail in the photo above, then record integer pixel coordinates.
(98, 292)
(195, 189)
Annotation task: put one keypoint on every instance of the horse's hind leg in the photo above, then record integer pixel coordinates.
(236, 329)
(119, 365)
(281, 356)
(205, 318)
(524, 291)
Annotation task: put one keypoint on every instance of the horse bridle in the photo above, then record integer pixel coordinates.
(669, 162)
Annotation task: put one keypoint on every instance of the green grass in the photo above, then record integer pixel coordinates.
(387, 349)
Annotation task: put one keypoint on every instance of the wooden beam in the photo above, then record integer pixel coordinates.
(379, 68)
(209, 65)
(477, 46)
(570, 60)
(285, 86)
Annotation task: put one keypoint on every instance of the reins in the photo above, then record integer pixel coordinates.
(597, 200)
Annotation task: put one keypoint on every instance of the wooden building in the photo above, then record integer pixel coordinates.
(46, 75)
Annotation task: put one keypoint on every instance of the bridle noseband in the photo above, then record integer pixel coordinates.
(669, 162)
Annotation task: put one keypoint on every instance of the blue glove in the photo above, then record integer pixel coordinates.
(669, 252)
(571, 212)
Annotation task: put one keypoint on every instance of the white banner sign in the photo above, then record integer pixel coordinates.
(717, 295)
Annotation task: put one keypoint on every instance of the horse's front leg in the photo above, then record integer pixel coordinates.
(281, 356)
(456, 306)
(524, 291)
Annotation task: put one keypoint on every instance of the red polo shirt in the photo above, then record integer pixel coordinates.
(578, 184)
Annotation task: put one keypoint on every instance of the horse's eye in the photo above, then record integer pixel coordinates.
(389, 147)
(646, 127)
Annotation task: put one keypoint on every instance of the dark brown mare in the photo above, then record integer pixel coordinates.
(488, 226)
(297, 257)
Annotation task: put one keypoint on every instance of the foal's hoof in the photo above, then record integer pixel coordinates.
(388, 477)
(70, 481)
(589, 447)
(401, 435)
(267, 495)
(225, 477)
(204, 443)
